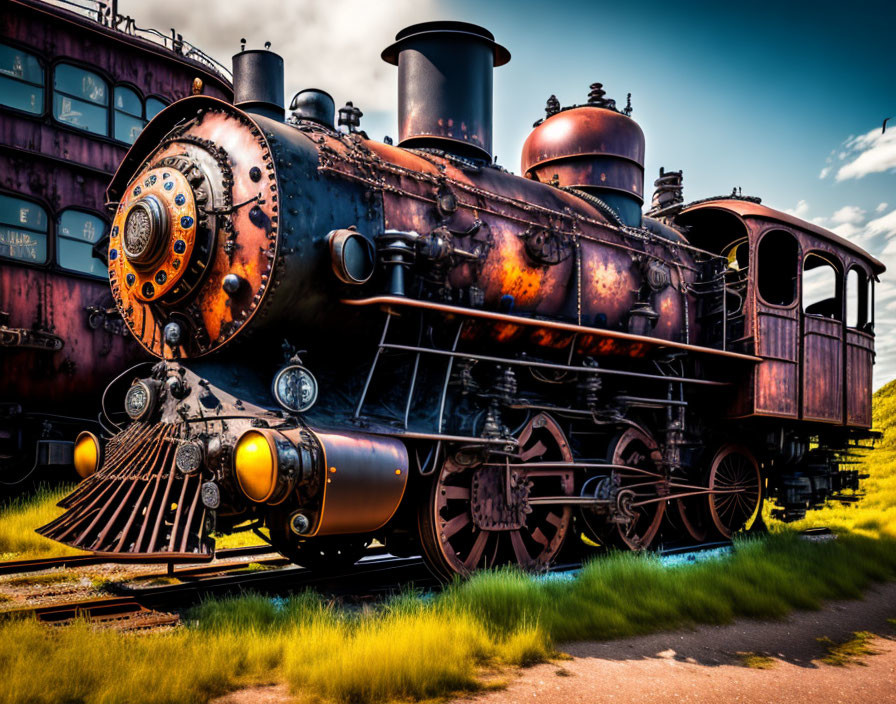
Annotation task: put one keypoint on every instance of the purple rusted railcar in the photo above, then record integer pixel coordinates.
(78, 82)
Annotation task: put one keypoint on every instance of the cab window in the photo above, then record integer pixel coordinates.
(821, 287)
(81, 99)
(23, 230)
(858, 300)
(76, 234)
(21, 80)
(778, 268)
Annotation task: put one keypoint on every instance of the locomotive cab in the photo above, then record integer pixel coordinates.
(808, 311)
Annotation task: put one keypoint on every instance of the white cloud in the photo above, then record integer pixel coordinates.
(848, 230)
(884, 225)
(329, 44)
(824, 172)
(872, 152)
(848, 215)
(881, 207)
(801, 210)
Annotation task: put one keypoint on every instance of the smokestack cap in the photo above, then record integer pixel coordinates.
(445, 29)
(258, 82)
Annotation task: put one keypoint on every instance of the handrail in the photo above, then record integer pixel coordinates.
(107, 15)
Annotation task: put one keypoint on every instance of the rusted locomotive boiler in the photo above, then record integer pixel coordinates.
(361, 340)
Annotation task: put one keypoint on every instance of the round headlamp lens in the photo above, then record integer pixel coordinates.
(295, 388)
(255, 466)
(137, 400)
(87, 454)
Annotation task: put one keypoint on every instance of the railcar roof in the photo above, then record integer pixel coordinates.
(750, 209)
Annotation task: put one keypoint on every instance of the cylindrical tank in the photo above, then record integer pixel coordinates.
(445, 86)
(258, 82)
(592, 148)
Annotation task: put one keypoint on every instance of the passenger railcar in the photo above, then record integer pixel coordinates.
(77, 85)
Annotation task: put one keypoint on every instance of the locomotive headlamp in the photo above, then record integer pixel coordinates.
(139, 400)
(266, 465)
(88, 453)
(145, 230)
(295, 388)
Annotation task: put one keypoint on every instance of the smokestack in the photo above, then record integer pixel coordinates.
(258, 82)
(445, 86)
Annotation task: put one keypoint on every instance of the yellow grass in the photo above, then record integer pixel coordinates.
(849, 652)
(21, 516)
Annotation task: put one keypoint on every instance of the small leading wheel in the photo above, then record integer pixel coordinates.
(736, 487)
(324, 555)
(484, 513)
(636, 449)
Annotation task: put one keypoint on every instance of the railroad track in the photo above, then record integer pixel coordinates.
(373, 575)
(377, 574)
(48, 563)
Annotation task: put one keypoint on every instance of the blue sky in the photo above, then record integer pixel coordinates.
(768, 96)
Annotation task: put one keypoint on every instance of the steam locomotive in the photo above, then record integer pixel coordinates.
(358, 340)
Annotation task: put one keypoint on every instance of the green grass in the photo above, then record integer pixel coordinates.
(850, 652)
(19, 518)
(415, 648)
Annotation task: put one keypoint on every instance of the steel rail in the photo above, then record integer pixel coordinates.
(48, 563)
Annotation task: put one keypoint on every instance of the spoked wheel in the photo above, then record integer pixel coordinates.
(325, 554)
(691, 513)
(693, 517)
(736, 484)
(484, 513)
(640, 487)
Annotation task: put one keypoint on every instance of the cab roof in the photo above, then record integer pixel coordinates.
(751, 209)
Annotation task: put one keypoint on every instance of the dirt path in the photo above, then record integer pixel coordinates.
(703, 665)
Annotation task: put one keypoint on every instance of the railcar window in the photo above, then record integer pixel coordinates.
(23, 230)
(81, 99)
(76, 233)
(777, 268)
(129, 120)
(153, 107)
(857, 299)
(821, 288)
(21, 80)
